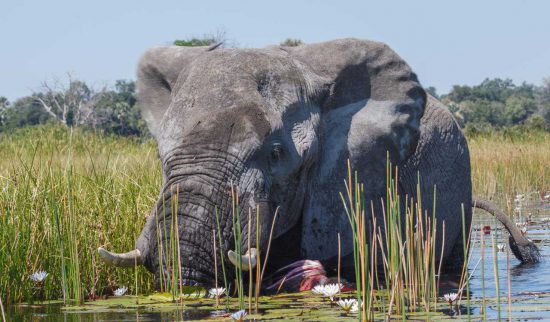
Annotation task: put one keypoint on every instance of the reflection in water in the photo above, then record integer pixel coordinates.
(55, 313)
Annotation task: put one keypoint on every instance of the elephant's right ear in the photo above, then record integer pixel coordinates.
(158, 72)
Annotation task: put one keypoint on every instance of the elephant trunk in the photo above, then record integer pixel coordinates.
(523, 248)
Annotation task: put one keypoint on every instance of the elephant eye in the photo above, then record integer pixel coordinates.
(277, 151)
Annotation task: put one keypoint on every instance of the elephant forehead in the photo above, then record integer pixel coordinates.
(230, 77)
(235, 129)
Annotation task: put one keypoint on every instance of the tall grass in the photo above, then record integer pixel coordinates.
(63, 193)
(504, 165)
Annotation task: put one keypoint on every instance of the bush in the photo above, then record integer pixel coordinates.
(290, 42)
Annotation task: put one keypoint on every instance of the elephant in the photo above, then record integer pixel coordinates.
(278, 127)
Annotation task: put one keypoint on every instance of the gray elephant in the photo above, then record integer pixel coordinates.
(280, 123)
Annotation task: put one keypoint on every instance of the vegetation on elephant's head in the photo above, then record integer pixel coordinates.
(292, 42)
(195, 42)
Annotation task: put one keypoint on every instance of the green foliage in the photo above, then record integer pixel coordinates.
(113, 111)
(195, 42)
(116, 111)
(23, 112)
(291, 42)
(499, 103)
(518, 109)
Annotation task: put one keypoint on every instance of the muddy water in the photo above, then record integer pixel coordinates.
(527, 285)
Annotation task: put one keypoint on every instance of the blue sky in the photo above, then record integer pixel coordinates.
(445, 42)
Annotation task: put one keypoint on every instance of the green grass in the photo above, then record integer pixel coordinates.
(505, 165)
(64, 193)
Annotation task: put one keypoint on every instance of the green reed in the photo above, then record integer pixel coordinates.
(483, 299)
(226, 284)
(237, 234)
(62, 195)
(495, 266)
(405, 244)
(465, 245)
(169, 252)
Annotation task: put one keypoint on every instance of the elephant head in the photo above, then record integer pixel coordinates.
(277, 126)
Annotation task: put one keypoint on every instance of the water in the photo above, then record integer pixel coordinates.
(55, 313)
(529, 288)
(529, 284)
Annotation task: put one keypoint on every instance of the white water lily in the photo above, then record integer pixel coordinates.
(355, 307)
(450, 297)
(120, 291)
(332, 289)
(39, 276)
(347, 304)
(524, 230)
(318, 289)
(238, 316)
(216, 292)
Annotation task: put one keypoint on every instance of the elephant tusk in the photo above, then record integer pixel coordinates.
(248, 260)
(128, 259)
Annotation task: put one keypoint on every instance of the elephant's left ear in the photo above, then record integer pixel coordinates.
(373, 108)
(372, 90)
(158, 72)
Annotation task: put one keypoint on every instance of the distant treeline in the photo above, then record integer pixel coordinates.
(495, 104)
(498, 104)
(74, 103)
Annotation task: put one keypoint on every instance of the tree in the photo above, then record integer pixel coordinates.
(23, 112)
(518, 109)
(67, 104)
(490, 90)
(4, 104)
(116, 111)
(432, 91)
(482, 111)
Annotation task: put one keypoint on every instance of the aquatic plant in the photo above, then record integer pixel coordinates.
(318, 289)
(38, 276)
(120, 291)
(347, 304)
(450, 297)
(330, 290)
(238, 316)
(216, 292)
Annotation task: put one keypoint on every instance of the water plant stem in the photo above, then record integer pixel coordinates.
(495, 267)
(215, 255)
